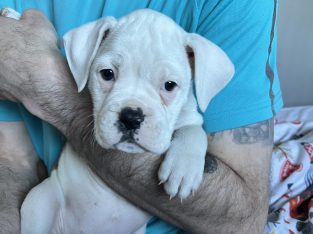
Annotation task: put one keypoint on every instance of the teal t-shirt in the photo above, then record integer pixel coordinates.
(243, 29)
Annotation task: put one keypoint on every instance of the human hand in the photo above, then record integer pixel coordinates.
(28, 47)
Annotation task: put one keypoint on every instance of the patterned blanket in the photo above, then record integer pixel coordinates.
(291, 199)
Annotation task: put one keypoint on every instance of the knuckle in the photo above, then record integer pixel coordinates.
(32, 13)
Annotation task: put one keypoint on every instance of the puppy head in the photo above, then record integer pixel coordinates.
(139, 74)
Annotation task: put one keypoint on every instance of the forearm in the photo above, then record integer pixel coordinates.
(15, 183)
(17, 173)
(224, 203)
(228, 200)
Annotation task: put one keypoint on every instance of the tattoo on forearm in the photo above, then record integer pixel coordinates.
(210, 165)
(253, 133)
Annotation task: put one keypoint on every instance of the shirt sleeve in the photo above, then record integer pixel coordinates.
(246, 31)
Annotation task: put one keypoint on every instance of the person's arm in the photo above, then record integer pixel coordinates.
(18, 174)
(233, 195)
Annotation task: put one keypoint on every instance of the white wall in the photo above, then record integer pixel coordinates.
(295, 51)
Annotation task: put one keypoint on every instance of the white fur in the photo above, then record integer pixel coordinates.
(74, 200)
(145, 49)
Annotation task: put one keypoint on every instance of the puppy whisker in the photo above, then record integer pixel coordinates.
(94, 142)
(90, 123)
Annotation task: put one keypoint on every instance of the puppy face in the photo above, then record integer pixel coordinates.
(139, 85)
(139, 77)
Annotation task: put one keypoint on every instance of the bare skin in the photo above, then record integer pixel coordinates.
(233, 197)
(18, 174)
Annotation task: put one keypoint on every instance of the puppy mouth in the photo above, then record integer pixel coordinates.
(128, 144)
(128, 136)
(130, 147)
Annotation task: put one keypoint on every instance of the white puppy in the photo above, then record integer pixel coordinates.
(140, 79)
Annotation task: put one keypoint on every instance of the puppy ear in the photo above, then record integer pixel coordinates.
(212, 69)
(81, 46)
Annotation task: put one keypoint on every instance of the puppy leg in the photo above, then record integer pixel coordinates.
(41, 210)
(182, 168)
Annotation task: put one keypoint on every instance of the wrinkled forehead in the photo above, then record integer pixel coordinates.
(152, 36)
(149, 22)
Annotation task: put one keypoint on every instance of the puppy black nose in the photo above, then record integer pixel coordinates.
(131, 119)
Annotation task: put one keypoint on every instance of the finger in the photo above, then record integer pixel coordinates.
(33, 15)
(39, 20)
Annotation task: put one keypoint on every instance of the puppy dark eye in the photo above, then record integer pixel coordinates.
(170, 86)
(107, 74)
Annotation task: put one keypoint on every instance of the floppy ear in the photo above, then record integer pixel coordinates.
(81, 46)
(212, 68)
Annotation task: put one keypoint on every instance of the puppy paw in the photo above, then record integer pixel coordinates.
(181, 172)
